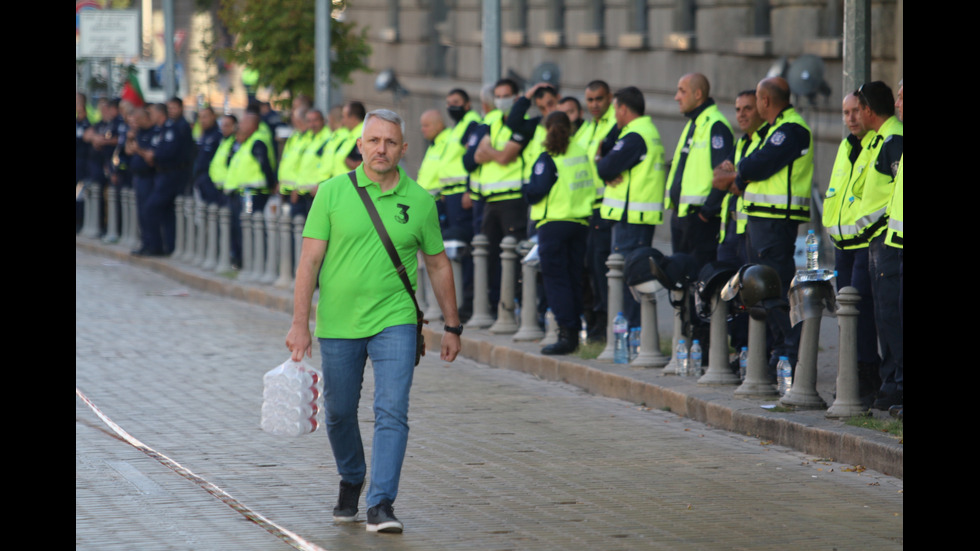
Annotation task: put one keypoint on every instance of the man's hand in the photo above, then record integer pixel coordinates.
(450, 346)
(723, 176)
(466, 201)
(615, 181)
(299, 342)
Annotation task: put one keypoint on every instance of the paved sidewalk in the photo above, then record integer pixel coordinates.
(497, 460)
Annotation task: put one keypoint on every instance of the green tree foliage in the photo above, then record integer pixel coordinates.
(277, 39)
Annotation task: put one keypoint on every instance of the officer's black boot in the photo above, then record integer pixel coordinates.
(567, 342)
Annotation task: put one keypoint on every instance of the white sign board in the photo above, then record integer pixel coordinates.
(109, 33)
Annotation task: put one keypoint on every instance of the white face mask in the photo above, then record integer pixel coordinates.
(504, 104)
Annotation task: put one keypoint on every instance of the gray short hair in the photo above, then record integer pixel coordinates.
(385, 115)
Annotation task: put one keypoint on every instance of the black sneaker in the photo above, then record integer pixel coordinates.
(346, 509)
(381, 518)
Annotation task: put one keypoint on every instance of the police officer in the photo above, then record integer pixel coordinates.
(251, 176)
(775, 181)
(560, 191)
(884, 262)
(82, 151)
(218, 169)
(207, 145)
(316, 162)
(705, 143)
(436, 136)
(635, 180)
(346, 155)
(895, 236)
(732, 241)
(185, 141)
(851, 253)
(499, 154)
(454, 185)
(597, 136)
(289, 164)
(139, 147)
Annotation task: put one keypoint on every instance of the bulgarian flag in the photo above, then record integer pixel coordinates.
(131, 91)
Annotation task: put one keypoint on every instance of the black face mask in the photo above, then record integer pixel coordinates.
(456, 112)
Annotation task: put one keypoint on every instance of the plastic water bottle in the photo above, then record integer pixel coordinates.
(784, 375)
(743, 362)
(289, 399)
(621, 353)
(695, 360)
(634, 342)
(812, 251)
(680, 354)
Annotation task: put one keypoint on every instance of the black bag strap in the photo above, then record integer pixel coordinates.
(386, 241)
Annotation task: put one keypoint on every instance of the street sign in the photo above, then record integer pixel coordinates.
(109, 33)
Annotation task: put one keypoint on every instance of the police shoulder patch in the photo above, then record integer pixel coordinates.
(618, 146)
(717, 142)
(777, 138)
(539, 168)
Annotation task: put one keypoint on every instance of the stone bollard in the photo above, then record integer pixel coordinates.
(678, 333)
(211, 238)
(757, 381)
(93, 196)
(224, 240)
(200, 232)
(285, 279)
(112, 216)
(481, 317)
(848, 401)
(245, 274)
(506, 321)
(650, 355)
(179, 229)
(258, 245)
(615, 303)
(803, 393)
(190, 230)
(719, 371)
(124, 237)
(530, 329)
(134, 220)
(298, 223)
(271, 270)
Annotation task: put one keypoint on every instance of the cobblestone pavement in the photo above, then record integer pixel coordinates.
(497, 459)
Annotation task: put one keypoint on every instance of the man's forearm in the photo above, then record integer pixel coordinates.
(441, 274)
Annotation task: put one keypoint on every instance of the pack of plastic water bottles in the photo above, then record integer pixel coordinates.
(289, 399)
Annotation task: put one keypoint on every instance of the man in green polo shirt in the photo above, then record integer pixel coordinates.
(365, 311)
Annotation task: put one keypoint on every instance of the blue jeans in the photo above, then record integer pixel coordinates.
(392, 354)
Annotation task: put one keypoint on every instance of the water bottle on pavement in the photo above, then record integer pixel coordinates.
(784, 375)
(680, 354)
(621, 353)
(289, 399)
(812, 250)
(743, 362)
(695, 360)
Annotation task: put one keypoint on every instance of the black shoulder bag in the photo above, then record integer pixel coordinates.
(399, 267)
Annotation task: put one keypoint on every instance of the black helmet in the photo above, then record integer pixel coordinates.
(713, 276)
(674, 272)
(760, 284)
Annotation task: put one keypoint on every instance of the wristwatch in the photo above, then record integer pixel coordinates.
(457, 330)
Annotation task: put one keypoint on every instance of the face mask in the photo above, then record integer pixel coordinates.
(456, 112)
(504, 104)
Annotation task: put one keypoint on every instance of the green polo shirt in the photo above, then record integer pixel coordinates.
(360, 292)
